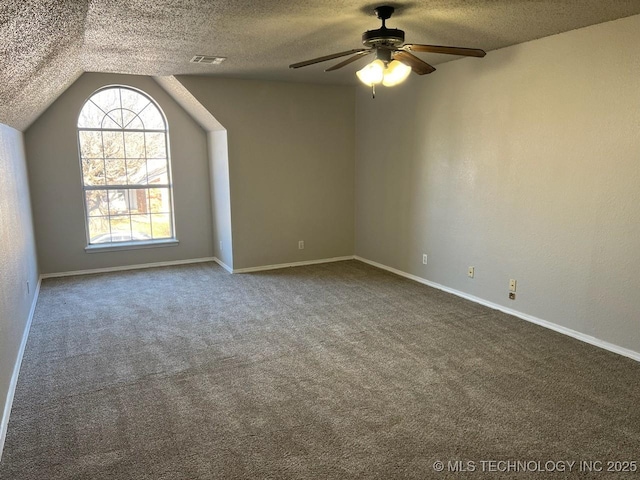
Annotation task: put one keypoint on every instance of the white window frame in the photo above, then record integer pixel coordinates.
(128, 244)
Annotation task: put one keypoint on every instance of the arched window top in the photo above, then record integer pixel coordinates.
(121, 108)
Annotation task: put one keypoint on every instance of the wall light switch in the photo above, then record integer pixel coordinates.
(471, 272)
(512, 285)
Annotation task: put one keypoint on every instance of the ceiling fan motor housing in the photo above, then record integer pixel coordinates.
(384, 36)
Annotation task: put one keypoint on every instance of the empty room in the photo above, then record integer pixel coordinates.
(321, 240)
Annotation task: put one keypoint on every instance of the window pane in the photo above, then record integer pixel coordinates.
(159, 201)
(133, 100)
(107, 99)
(134, 144)
(141, 225)
(116, 171)
(90, 116)
(113, 143)
(161, 226)
(90, 144)
(151, 118)
(93, 172)
(118, 202)
(109, 120)
(156, 146)
(137, 200)
(97, 203)
(136, 172)
(134, 124)
(127, 117)
(120, 228)
(157, 170)
(99, 230)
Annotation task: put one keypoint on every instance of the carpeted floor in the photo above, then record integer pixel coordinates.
(335, 371)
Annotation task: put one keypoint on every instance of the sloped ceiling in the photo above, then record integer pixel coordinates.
(46, 44)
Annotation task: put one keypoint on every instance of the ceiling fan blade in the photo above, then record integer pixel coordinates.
(467, 52)
(417, 65)
(348, 60)
(326, 57)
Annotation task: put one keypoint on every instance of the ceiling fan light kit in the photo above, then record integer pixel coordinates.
(377, 72)
(393, 62)
(396, 72)
(372, 74)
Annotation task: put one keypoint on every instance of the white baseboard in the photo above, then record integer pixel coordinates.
(193, 260)
(294, 264)
(223, 265)
(16, 371)
(524, 316)
(128, 267)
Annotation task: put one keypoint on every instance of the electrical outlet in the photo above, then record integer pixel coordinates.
(471, 272)
(424, 258)
(512, 296)
(301, 245)
(512, 285)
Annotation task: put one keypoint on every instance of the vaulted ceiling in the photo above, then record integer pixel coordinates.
(45, 45)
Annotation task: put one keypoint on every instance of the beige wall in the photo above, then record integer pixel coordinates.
(56, 190)
(17, 261)
(524, 164)
(291, 167)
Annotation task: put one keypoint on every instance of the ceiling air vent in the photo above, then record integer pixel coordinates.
(207, 59)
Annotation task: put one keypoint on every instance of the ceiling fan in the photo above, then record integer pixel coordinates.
(394, 60)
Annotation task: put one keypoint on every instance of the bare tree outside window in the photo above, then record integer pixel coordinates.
(126, 175)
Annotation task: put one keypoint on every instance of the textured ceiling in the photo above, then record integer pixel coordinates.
(46, 44)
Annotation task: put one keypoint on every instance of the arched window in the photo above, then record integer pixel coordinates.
(126, 172)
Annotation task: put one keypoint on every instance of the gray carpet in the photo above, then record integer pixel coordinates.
(335, 371)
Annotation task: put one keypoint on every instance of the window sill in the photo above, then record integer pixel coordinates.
(113, 247)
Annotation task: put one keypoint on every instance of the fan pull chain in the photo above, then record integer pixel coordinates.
(373, 90)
